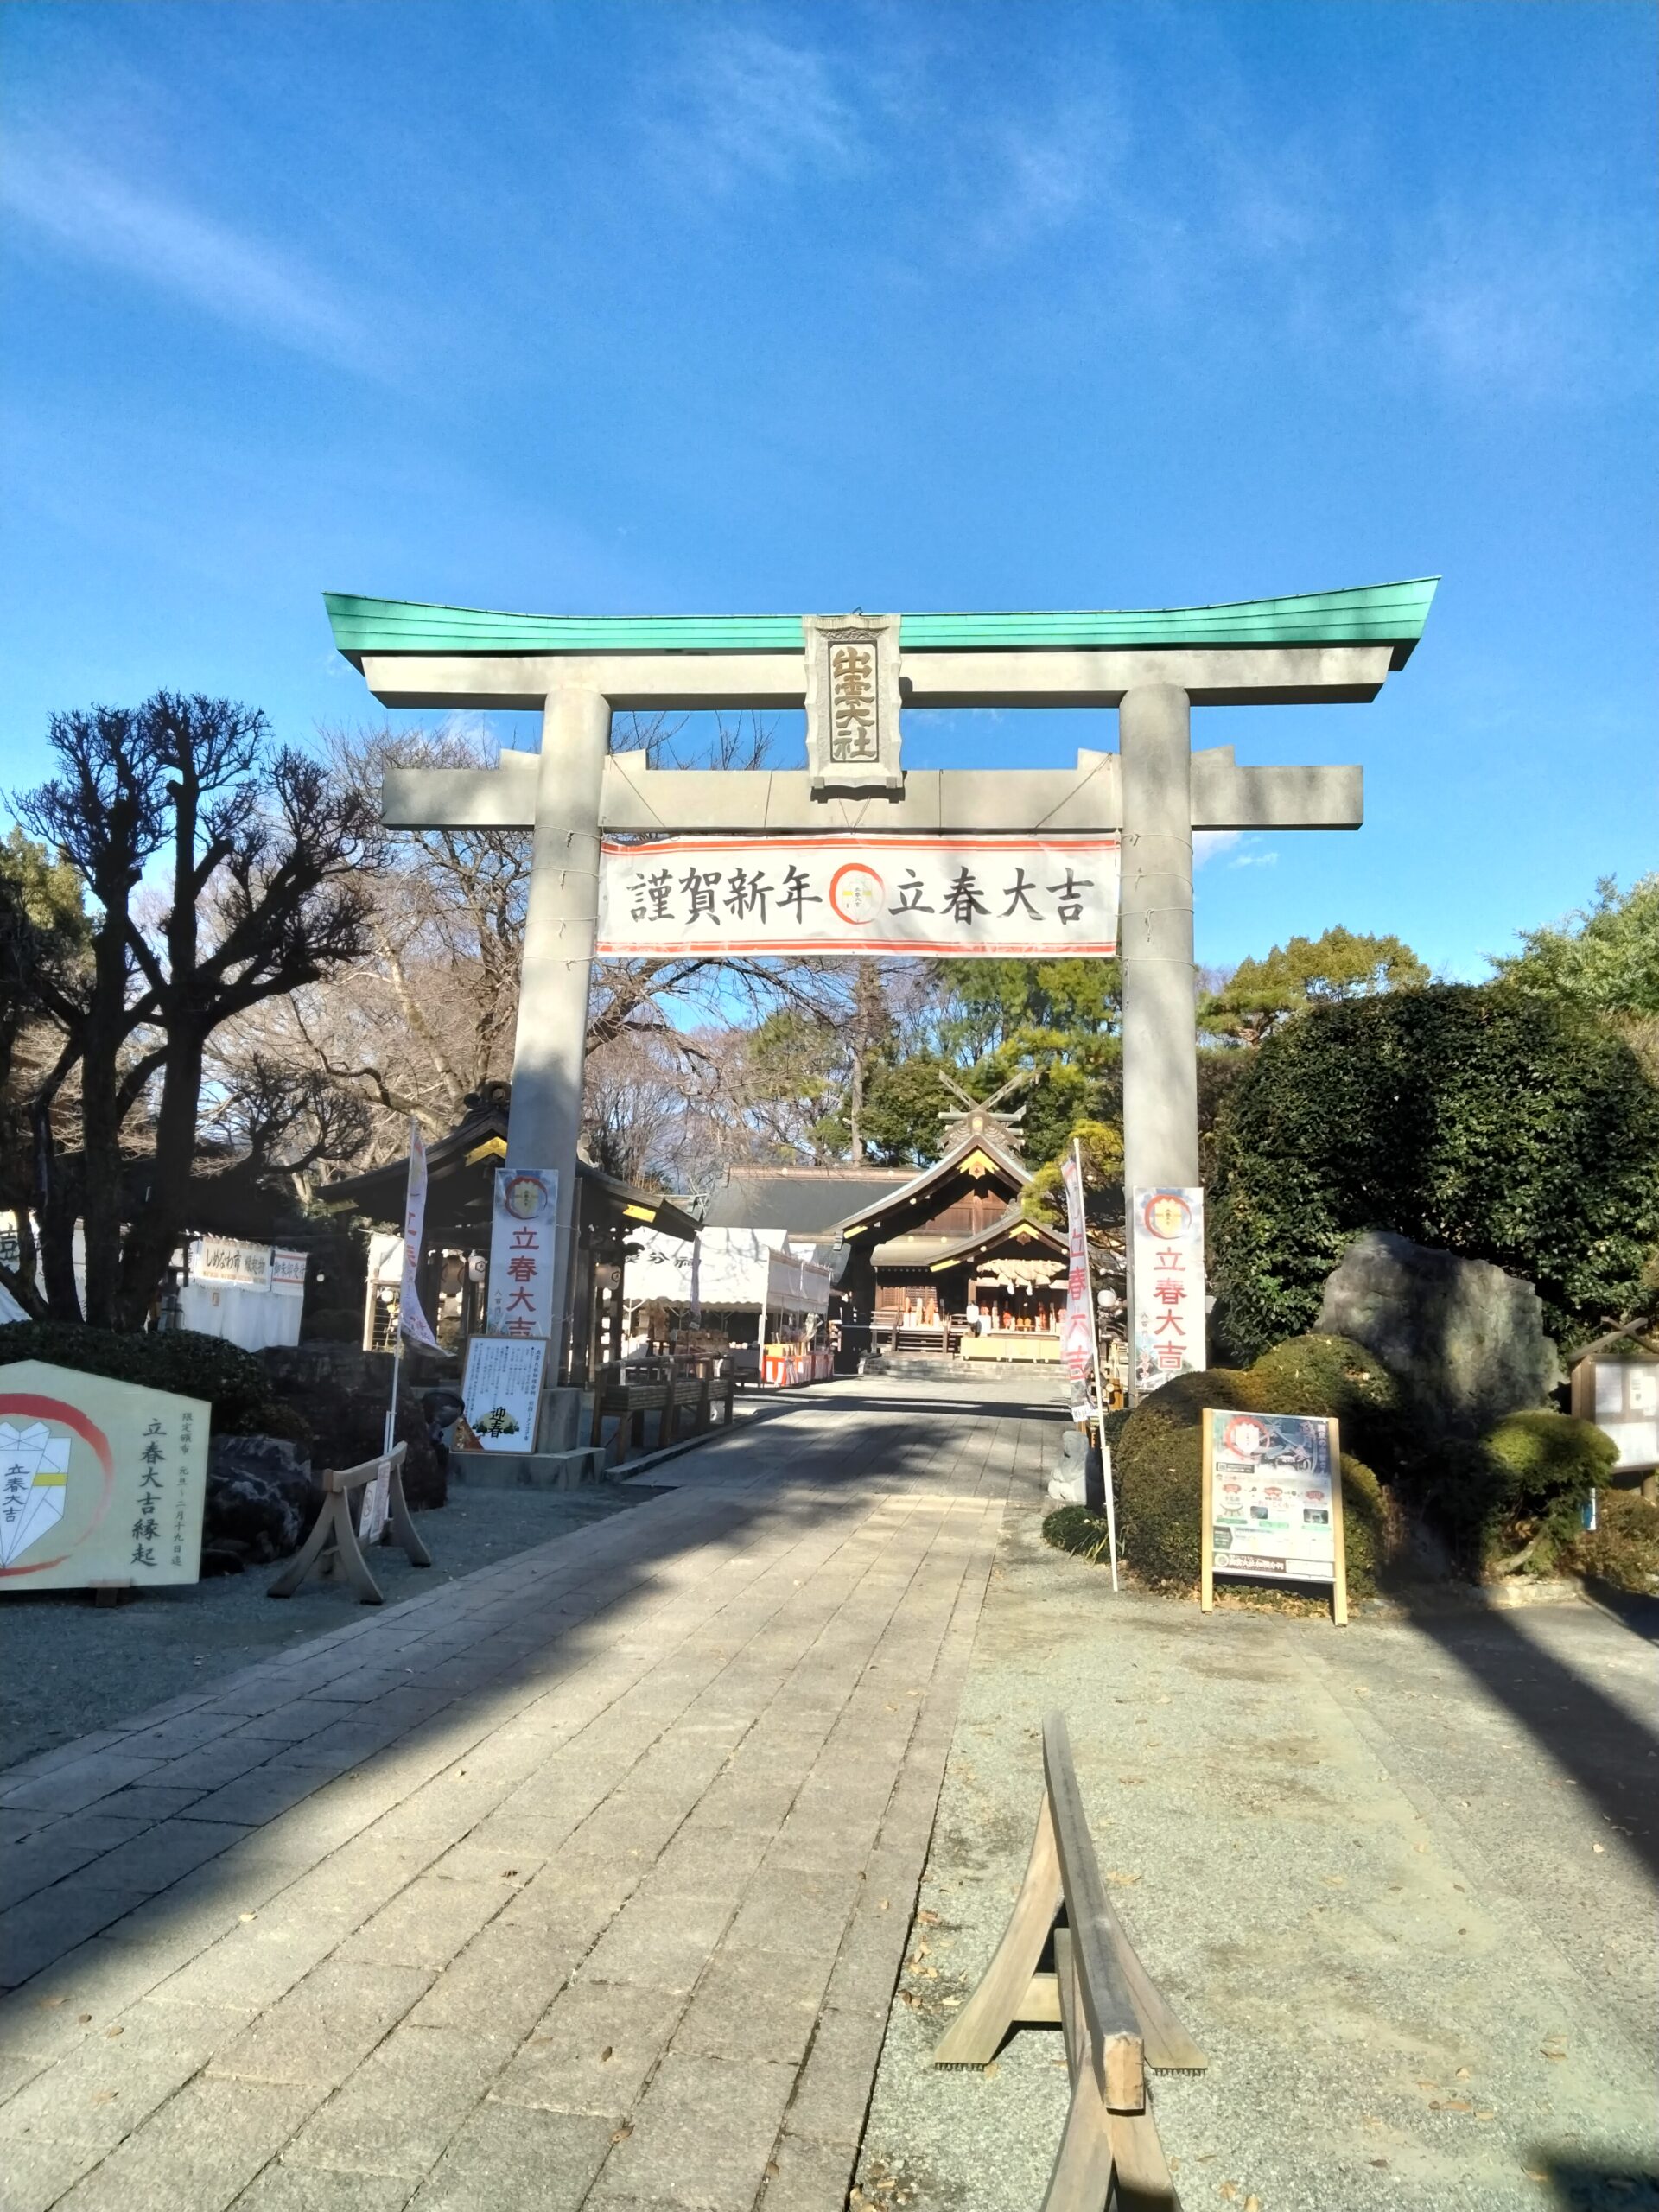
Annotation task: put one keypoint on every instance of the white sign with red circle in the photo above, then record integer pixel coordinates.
(994, 897)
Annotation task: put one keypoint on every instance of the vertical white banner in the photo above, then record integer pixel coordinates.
(1167, 1286)
(522, 1228)
(1077, 1333)
(411, 1321)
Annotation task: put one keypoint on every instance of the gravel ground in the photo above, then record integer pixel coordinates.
(1397, 1879)
(68, 1667)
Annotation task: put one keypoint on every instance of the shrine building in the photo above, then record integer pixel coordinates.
(936, 1258)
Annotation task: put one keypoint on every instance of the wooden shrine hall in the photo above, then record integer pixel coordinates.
(460, 1183)
(948, 1261)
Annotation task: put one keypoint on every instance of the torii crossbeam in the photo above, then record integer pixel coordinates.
(852, 673)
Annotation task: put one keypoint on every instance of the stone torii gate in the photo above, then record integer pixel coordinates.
(854, 674)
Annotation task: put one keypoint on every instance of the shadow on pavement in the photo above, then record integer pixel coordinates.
(1612, 1756)
(1591, 2184)
(393, 1702)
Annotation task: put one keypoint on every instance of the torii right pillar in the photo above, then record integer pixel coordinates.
(1154, 939)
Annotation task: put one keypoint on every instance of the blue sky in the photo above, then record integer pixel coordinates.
(640, 307)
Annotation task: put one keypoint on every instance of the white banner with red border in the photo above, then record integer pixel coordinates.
(956, 897)
(1078, 1331)
(1166, 1282)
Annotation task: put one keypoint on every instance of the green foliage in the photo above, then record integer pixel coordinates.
(1488, 1122)
(794, 1057)
(1515, 1496)
(1334, 1375)
(45, 893)
(989, 1004)
(1058, 1018)
(1260, 996)
(1623, 1547)
(1102, 1146)
(902, 1106)
(1604, 958)
(1075, 1528)
(236, 1384)
(1157, 1459)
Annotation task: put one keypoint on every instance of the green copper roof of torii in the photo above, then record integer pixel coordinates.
(1369, 614)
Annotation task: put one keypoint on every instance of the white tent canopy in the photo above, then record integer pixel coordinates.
(727, 1269)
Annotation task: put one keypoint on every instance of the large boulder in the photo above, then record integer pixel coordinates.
(343, 1392)
(1465, 1341)
(261, 1500)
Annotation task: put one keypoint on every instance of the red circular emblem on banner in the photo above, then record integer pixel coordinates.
(1166, 1213)
(34, 1408)
(856, 892)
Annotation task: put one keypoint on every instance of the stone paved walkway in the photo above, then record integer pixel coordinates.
(584, 1881)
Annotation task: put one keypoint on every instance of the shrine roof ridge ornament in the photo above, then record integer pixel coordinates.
(1374, 615)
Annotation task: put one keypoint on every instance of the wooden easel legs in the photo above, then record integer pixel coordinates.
(1100, 2147)
(1106, 2156)
(401, 1521)
(1008, 1995)
(332, 1553)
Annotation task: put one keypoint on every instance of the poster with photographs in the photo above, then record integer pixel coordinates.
(1272, 1501)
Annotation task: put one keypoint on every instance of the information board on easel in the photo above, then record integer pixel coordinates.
(1272, 1504)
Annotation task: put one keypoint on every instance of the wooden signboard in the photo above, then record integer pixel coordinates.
(1621, 1397)
(101, 1483)
(501, 1392)
(1272, 1503)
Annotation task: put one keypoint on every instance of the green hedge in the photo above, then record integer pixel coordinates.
(1481, 1120)
(1523, 1487)
(1157, 1464)
(234, 1383)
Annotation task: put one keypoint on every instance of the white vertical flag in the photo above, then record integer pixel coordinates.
(1080, 1344)
(411, 1321)
(1078, 1338)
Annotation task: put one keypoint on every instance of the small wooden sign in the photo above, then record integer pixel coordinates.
(1621, 1397)
(1272, 1503)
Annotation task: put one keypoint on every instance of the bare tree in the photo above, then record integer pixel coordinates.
(263, 857)
(429, 1017)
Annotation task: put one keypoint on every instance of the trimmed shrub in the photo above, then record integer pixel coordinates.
(1075, 1528)
(1111, 1427)
(1623, 1548)
(1157, 1469)
(348, 1425)
(1158, 1461)
(233, 1381)
(1333, 1375)
(1480, 1120)
(1515, 1497)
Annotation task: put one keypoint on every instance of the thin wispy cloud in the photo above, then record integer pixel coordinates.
(1533, 310)
(79, 208)
(1211, 844)
(1041, 175)
(743, 102)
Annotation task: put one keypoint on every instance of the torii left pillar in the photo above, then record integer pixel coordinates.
(561, 923)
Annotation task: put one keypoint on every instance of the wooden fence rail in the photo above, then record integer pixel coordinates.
(1115, 2023)
(678, 1401)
